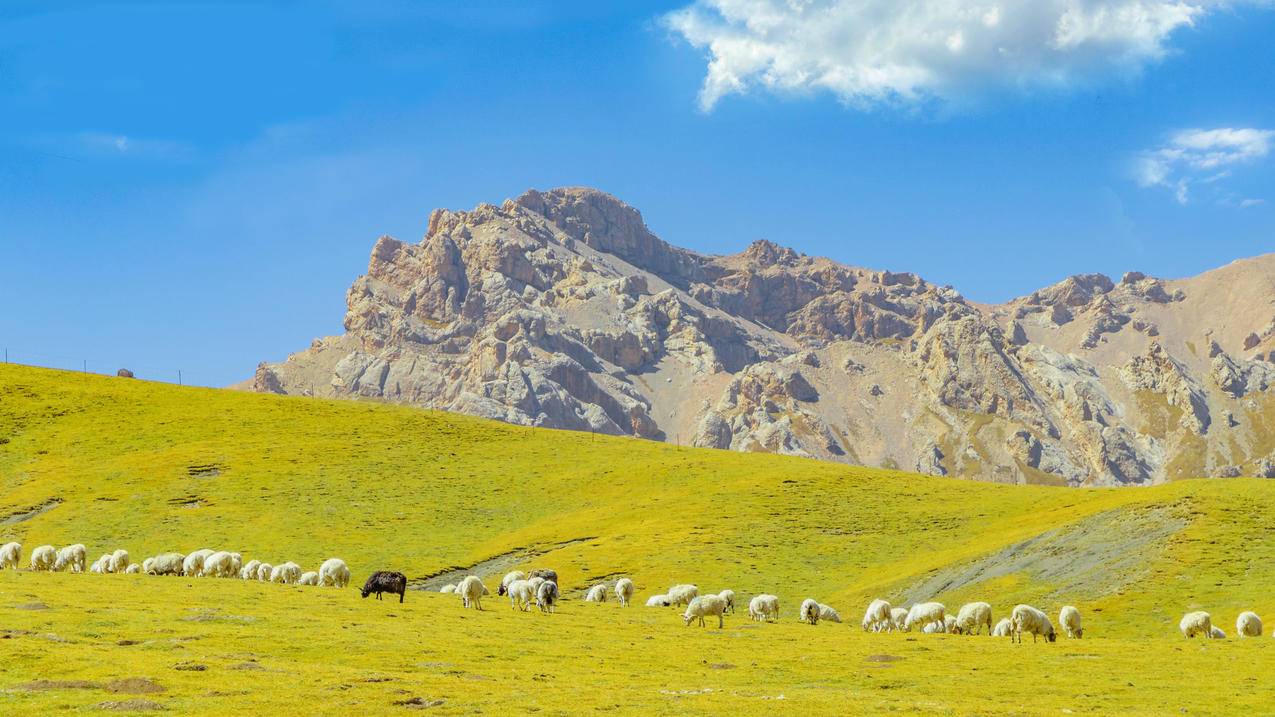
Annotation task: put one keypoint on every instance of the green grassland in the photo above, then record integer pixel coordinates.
(151, 468)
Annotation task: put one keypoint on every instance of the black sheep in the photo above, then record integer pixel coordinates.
(386, 581)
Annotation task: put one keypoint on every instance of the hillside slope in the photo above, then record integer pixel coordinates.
(153, 467)
(561, 309)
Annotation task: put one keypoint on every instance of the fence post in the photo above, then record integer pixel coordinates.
(86, 365)
(179, 377)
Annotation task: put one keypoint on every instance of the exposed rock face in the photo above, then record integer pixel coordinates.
(561, 309)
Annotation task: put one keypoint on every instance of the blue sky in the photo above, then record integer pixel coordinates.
(194, 185)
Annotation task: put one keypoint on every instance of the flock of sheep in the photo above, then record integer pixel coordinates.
(539, 589)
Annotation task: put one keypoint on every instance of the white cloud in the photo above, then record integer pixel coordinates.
(1201, 156)
(903, 52)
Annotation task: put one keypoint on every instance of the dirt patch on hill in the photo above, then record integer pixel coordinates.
(1098, 555)
(24, 514)
(131, 706)
(496, 565)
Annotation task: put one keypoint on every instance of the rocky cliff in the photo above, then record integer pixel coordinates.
(562, 309)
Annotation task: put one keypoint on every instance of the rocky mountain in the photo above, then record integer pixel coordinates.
(562, 309)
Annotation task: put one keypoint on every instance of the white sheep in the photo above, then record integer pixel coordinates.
(682, 594)
(448, 589)
(624, 591)
(133, 569)
(547, 595)
(102, 565)
(471, 591)
(934, 628)
(703, 606)
(1004, 628)
(218, 565)
(971, 618)
(535, 581)
(597, 593)
(10, 556)
(236, 563)
(829, 614)
(1069, 619)
(899, 619)
(193, 565)
(877, 616)
(509, 579)
(334, 573)
(1026, 618)
(1216, 633)
(286, 574)
(167, 564)
(119, 561)
(249, 570)
(764, 607)
(658, 601)
(308, 578)
(729, 597)
(1196, 623)
(43, 557)
(263, 572)
(1248, 624)
(809, 611)
(521, 596)
(923, 614)
(74, 557)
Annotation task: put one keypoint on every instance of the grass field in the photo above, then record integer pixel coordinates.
(152, 467)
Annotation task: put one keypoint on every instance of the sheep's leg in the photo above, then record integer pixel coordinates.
(721, 621)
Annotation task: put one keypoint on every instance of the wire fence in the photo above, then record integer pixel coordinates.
(80, 364)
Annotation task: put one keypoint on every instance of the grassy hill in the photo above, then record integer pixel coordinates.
(153, 467)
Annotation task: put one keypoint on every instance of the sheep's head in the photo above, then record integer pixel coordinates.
(1052, 636)
(1080, 632)
(365, 592)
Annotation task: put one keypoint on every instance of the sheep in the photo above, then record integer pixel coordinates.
(119, 561)
(1026, 618)
(193, 566)
(334, 573)
(923, 614)
(898, 619)
(471, 591)
(385, 581)
(764, 608)
(10, 556)
(147, 565)
(705, 605)
(74, 557)
(877, 616)
(535, 581)
(1004, 628)
(597, 593)
(249, 570)
(133, 569)
(448, 589)
(167, 564)
(1196, 623)
(1217, 634)
(729, 597)
(263, 572)
(287, 574)
(43, 557)
(547, 595)
(1069, 618)
(949, 624)
(521, 596)
(682, 594)
(101, 566)
(509, 578)
(829, 614)
(934, 628)
(218, 565)
(308, 578)
(624, 591)
(236, 562)
(547, 574)
(971, 618)
(809, 611)
(1248, 624)
(658, 601)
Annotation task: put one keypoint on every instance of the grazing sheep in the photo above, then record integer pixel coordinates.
(119, 561)
(385, 581)
(1004, 628)
(949, 624)
(1217, 634)
(147, 564)
(167, 564)
(448, 589)
(923, 614)
(828, 613)
(547, 574)
(43, 557)
(249, 570)
(309, 578)
(1196, 623)
(898, 619)
(1026, 618)
(971, 618)
(764, 608)
(509, 578)
(471, 591)
(547, 596)
(1248, 624)
(535, 581)
(624, 591)
(74, 557)
(101, 566)
(597, 593)
(934, 628)
(809, 611)
(877, 616)
(133, 569)
(521, 596)
(236, 562)
(1069, 618)
(10, 556)
(218, 565)
(658, 601)
(682, 594)
(705, 605)
(193, 566)
(334, 573)
(287, 574)
(729, 597)
(263, 572)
